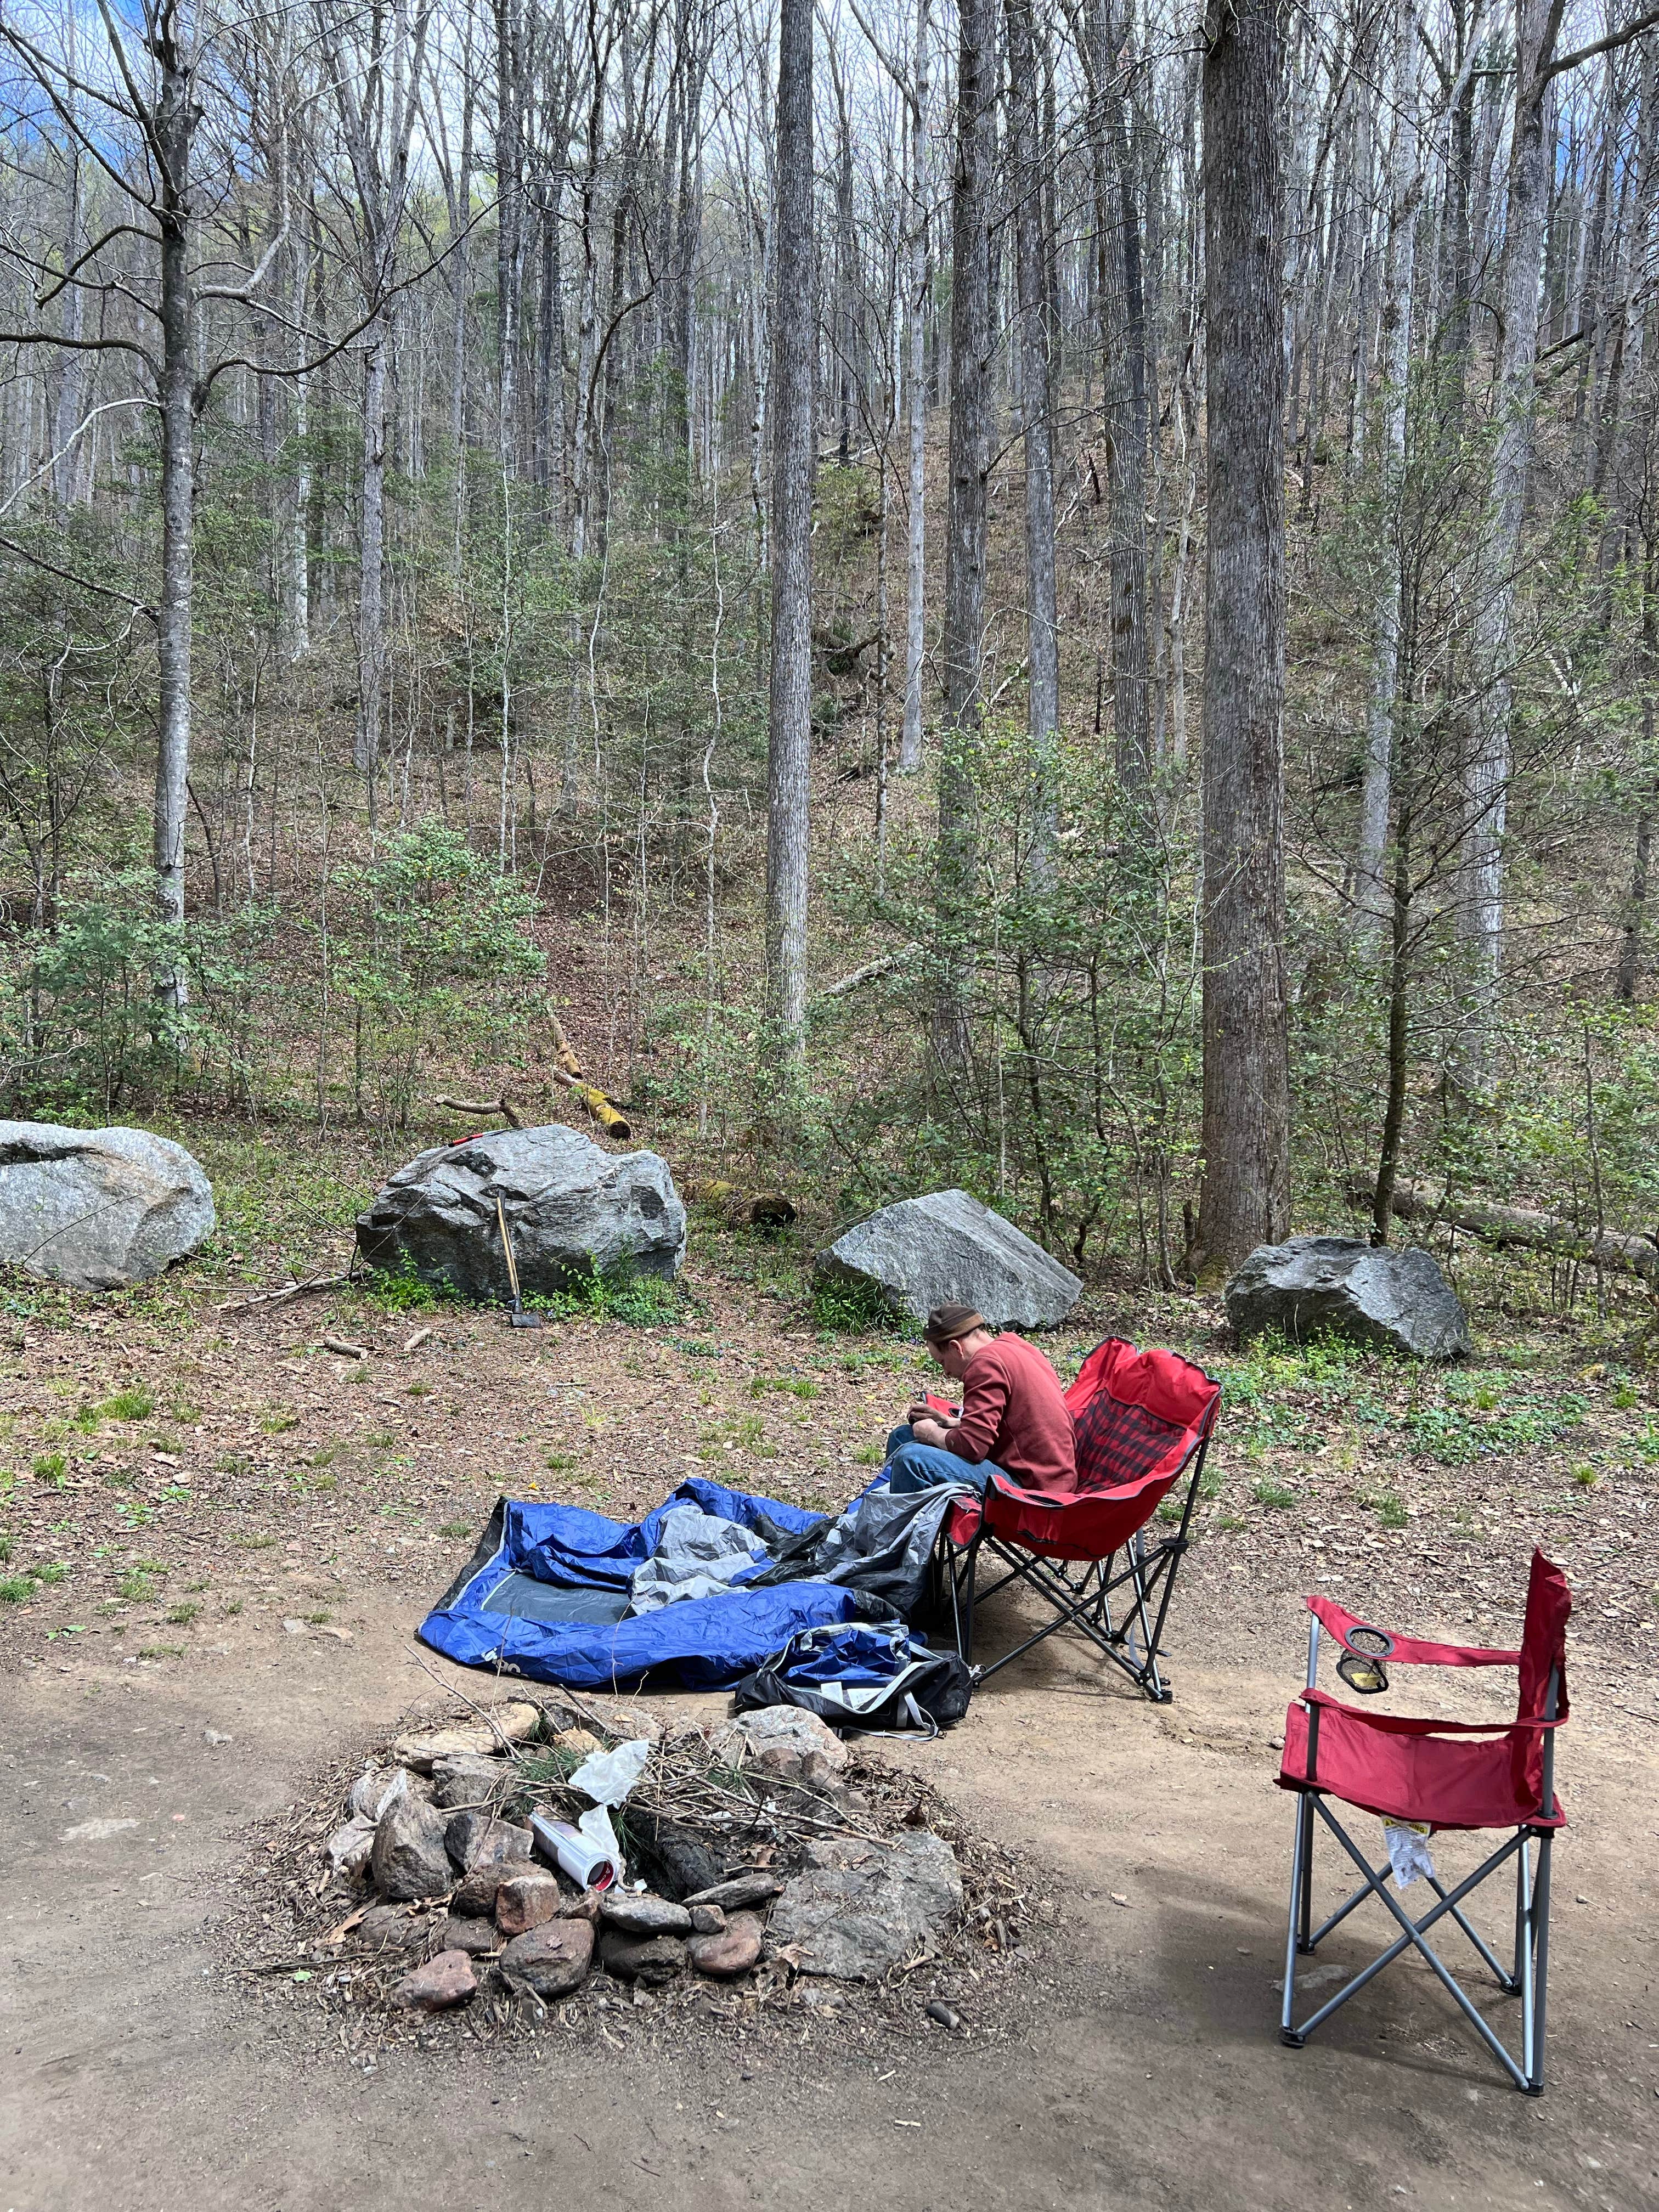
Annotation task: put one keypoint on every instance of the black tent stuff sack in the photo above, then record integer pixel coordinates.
(867, 1681)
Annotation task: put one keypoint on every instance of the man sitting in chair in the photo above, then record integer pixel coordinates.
(1014, 1419)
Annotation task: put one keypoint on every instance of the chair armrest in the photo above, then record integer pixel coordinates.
(1408, 1650)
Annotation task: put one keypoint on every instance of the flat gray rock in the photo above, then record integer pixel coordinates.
(571, 1209)
(1397, 1300)
(637, 1914)
(97, 1209)
(856, 1910)
(948, 1249)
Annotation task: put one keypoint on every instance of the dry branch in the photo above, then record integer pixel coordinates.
(280, 1297)
(503, 1106)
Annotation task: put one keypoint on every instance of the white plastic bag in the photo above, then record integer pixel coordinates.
(607, 1777)
(1408, 1852)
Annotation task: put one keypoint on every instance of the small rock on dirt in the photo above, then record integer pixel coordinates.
(625, 1720)
(751, 1889)
(377, 1786)
(946, 2015)
(707, 1920)
(472, 1780)
(409, 1859)
(637, 1915)
(349, 1847)
(654, 1958)
(476, 1840)
(858, 1908)
(551, 1959)
(524, 1901)
(387, 1928)
(464, 1932)
(575, 1742)
(439, 1982)
(421, 1749)
(733, 1951)
(214, 1737)
(784, 1740)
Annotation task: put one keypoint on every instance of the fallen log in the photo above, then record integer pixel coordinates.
(1519, 1226)
(872, 971)
(758, 1209)
(568, 1070)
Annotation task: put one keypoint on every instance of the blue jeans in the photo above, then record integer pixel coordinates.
(911, 1465)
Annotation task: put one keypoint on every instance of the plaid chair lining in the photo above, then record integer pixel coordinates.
(1117, 1443)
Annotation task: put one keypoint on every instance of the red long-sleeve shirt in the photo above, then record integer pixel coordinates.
(1014, 1415)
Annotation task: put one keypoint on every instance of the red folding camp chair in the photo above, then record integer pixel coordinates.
(1144, 1420)
(1447, 1774)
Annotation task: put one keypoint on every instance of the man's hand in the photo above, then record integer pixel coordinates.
(929, 1431)
(921, 1411)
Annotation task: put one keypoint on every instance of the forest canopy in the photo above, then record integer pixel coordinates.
(1061, 601)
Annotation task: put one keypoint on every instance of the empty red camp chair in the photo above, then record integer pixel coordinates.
(1449, 1774)
(1144, 1420)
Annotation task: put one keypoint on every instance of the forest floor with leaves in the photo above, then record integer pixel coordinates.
(173, 1460)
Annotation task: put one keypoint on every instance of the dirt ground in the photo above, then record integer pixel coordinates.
(251, 1535)
(138, 2070)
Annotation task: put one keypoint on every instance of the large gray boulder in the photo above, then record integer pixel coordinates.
(572, 1210)
(98, 1208)
(1368, 1294)
(948, 1249)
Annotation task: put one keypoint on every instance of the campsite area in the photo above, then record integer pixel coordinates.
(217, 1575)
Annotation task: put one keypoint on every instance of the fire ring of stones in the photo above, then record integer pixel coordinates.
(769, 1872)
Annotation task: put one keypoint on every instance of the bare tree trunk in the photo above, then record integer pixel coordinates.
(1246, 1126)
(789, 738)
(1124, 404)
(176, 117)
(1405, 180)
(371, 559)
(1486, 769)
(1037, 425)
(965, 539)
(509, 220)
(910, 759)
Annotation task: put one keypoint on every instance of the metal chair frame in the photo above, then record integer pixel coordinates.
(1080, 1591)
(1527, 1978)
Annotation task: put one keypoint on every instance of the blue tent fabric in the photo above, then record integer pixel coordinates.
(560, 1576)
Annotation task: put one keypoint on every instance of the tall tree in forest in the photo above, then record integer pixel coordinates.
(1405, 189)
(965, 525)
(147, 86)
(789, 728)
(1246, 1117)
(1486, 775)
(376, 68)
(1037, 418)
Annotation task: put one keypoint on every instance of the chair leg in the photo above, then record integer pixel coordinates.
(1303, 1934)
(1539, 1964)
(1296, 1926)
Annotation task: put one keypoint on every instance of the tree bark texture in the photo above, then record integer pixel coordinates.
(174, 131)
(1036, 424)
(1246, 1114)
(789, 732)
(965, 528)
